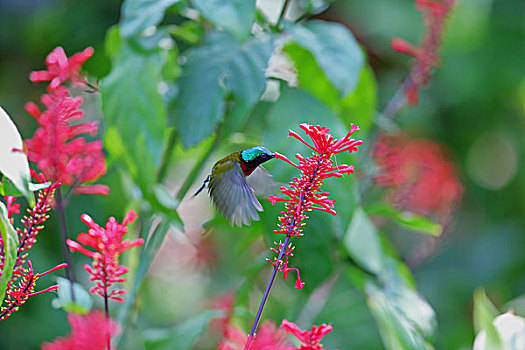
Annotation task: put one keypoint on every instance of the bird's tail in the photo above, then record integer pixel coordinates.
(203, 185)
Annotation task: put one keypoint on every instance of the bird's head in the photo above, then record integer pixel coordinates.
(255, 156)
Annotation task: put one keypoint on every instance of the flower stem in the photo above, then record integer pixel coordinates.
(106, 308)
(166, 157)
(398, 101)
(283, 11)
(266, 294)
(63, 233)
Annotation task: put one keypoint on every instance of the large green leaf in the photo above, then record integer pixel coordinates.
(221, 64)
(363, 244)
(357, 107)
(138, 15)
(13, 160)
(10, 239)
(134, 111)
(403, 317)
(335, 49)
(181, 336)
(83, 301)
(236, 16)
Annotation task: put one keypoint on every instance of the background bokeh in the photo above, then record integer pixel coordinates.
(475, 107)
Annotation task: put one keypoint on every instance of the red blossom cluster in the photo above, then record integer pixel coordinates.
(88, 332)
(304, 193)
(435, 14)
(421, 178)
(18, 293)
(108, 245)
(57, 147)
(22, 283)
(269, 337)
(311, 340)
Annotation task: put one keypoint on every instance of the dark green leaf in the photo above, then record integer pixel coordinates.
(335, 50)
(221, 64)
(181, 336)
(409, 220)
(10, 239)
(137, 15)
(134, 111)
(7, 188)
(236, 16)
(83, 301)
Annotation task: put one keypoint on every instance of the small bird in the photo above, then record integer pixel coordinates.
(231, 187)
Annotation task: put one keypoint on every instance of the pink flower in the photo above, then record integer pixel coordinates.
(268, 338)
(421, 178)
(435, 14)
(304, 193)
(12, 207)
(17, 294)
(108, 245)
(88, 332)
(57, 147)
(60, 68)
(311, 340)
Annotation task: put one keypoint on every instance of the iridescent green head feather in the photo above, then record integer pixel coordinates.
(258, 152)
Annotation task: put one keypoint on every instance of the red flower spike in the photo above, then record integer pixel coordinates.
(88, 332)
(108, 245)
(304, 193)
(60, 68)
(420, 177)
(57, 147)
(17, 294)
(311, 340)
(435, 14)
(269, 337)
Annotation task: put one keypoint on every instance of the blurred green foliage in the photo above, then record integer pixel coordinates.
(193, 86)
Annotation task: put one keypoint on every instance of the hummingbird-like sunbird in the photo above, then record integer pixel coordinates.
(232, 186)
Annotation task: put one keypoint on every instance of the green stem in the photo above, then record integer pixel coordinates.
(166, 157)
(281, 15)
(60, 207)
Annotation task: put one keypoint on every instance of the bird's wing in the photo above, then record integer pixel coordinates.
(262, 182)
(232, 195)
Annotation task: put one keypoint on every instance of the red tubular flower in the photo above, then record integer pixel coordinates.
(435, 14)
(57, 148)
(60, 68)
(421, 178)
(108, 245)
(88, 332)
(311, 340)
(17, 294)
(305, 192)
(269, 337)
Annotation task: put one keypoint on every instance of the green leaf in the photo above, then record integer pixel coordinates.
(167, 204)
(221, 64)
(359, 107)
(134, 110)
(235, 16)
(83, 301)
(7, 188)
(484, 314)
(409, 220)
(363, 244)
(13, 160)
(189, 31)
(137, 15)
(335, 49)
(403, 317)
(181, 336)
(10, 239)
